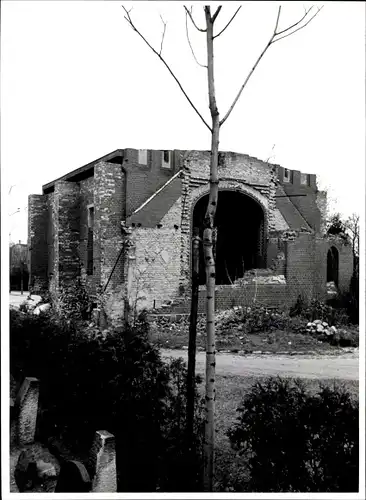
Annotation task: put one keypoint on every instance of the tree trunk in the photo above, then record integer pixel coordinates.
(192, 347)
(209, 443)
(21, 277)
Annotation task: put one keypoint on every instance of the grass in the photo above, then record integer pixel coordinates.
(230, 390)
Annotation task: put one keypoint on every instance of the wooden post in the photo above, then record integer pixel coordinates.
(192, 338)
(21, 277)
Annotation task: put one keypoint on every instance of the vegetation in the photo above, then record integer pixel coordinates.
(110, 380)
(117, 381)
(294, 441)
(267, 329)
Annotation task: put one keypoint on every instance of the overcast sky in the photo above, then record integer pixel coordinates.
(78, 83)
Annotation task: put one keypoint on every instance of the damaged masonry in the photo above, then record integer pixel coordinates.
(123, 224)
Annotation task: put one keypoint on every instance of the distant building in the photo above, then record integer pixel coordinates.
(18, 266)
(270, 243)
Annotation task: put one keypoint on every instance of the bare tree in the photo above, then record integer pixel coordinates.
(209, 220)
(352, 226)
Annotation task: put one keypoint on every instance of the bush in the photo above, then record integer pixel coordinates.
(345, 338)
(253, 319)
(295, 441)
(112, 380)
(318, 310)
(348, 302)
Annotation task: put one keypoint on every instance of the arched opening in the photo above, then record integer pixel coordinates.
(332, 265)
(240, 235)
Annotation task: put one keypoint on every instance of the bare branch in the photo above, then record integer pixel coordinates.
(216, 13)
(189, 42)
(295, 24)
(278, 20)
(129, 20)
(193, 21)
(301, 27)
(271, 41)
(162, 38)
(228, 24)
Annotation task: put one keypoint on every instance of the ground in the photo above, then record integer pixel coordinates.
(345, 366)
(16, 298)
(172, 333)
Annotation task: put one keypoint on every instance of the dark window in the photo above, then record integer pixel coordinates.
(166, 156)
(89, 247)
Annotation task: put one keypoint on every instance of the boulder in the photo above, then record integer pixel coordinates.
(36, 470)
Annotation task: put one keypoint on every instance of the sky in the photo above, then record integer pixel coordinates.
(77, 83)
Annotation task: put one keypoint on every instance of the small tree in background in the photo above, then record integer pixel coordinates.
(337, 227)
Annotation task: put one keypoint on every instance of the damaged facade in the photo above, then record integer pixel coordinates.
(270, 245)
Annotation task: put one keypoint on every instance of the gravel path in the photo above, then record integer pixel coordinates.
(343, 367)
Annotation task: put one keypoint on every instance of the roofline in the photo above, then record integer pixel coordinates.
(49, 187)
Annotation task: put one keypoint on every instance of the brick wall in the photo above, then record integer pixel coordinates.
(142, 181)
(52, 244)
(157, 210)
(37, 242)
(226, 296)
(345, 261)
(300, 270)
(109, 206)
(235, 166)
(157, 266)
(86, 199)
(307, 205)
(67, 194)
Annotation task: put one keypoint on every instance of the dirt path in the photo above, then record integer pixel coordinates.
(343, 367)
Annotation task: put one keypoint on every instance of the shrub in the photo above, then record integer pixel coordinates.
(112, 380)
(345, 338)
(253, 319)
(74, 301)
(295, 441)
(348, 302)
(263, 319)
(318, 310)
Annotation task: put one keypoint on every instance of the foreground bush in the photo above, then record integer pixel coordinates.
(113, 380)
(294, 441)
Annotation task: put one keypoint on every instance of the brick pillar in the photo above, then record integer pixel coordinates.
(67, 228)
(109, 210)
(37, 242)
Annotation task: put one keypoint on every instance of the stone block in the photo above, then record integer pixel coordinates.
(103, 458)
(36, 470)
(27, 403)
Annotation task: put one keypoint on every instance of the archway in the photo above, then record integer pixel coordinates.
(332, 265)
(240, 235)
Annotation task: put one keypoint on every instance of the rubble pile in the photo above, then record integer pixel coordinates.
(321, 328)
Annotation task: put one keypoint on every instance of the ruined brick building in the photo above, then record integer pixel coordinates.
(270, 243)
